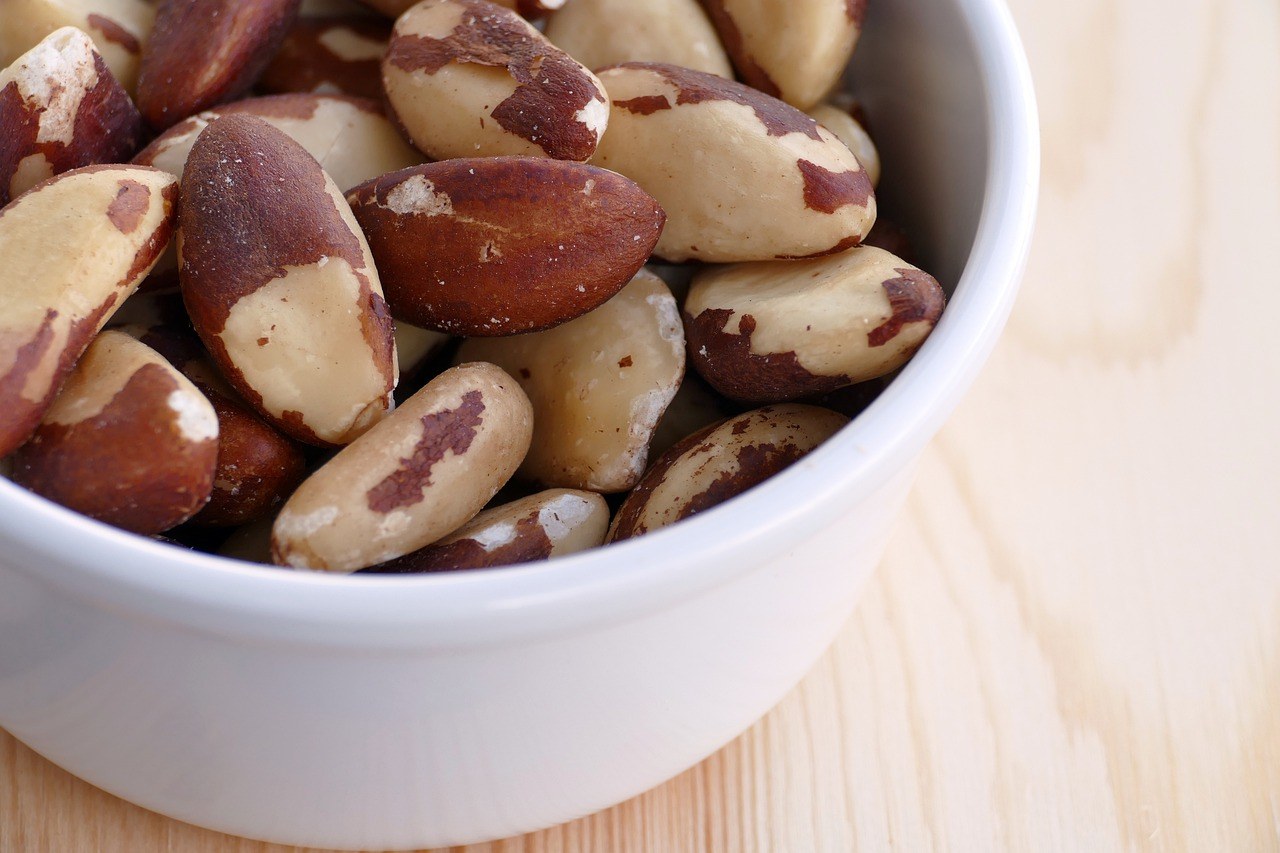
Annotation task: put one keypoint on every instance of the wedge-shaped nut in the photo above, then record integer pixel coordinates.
(61, 108)
(794, 51)
(412, 479)
(467, 78)
(128, 441)
(502, 245)
(599, 386)
(767, 332)
(855, 137)
(204, 52)
(607, 32)
(529, 8)
(338, 55)
(549, 524)
(118, 28)
(73, 249)
(721, 462)
(764, 180)
(280, 286)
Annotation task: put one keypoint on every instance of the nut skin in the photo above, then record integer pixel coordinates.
(549, 524)
(720, 462)
(74, 248)
(807, 195)
(61, 108)
(293, 316)
(412, 479)
(504, 245)
(118, 29)
(528, 8)
(204, 52)
(468, 78)
(598, 33)
(129, 441)
(768, 331)
(333, 55)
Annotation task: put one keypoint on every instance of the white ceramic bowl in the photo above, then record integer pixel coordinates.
(396, 712)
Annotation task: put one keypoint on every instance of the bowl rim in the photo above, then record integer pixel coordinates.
(629, 579)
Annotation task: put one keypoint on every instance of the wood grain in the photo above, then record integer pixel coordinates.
(1074, 641)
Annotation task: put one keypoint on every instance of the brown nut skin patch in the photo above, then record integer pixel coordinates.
(720, 462)
(204, 52)
(61, 108)
(68, 264)
(334, 55)
(412, 479)
(279, 284)
(549, 524)
(504, 245)
(129, 441)
(117, 27)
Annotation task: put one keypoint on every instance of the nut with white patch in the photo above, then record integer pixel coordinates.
(599, 386)
(412, 479)
(608, 32)
(330, 55)
(549, 524)
(850, 131)
(720, 462)
(767, 332)
(74, 248)
(742, 176)
(128, 441)
(503, 245)
(293, 315)
(528, 8)
(61, 108)
(118, 29)
(468, 78)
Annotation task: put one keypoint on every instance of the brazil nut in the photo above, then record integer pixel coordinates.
(331, 55)
(119, 29)
(607, 32)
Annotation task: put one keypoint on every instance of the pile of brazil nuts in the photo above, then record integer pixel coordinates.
(395, 287)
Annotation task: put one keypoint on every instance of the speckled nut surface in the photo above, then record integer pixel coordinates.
(330, 55)
(128, 441)
(794, 51)
(280, 286)
(767, 332)
(119, 28)
(503, 245)
(721, 462)
(767, 181)
(608, 32)
(74, 248)
(598, 385)
(468, 78)
(204, 52)
(549, 524)
(61, 108)
(412, 479)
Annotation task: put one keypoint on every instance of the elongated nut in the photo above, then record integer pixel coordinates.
(608, 32)
(204, 52)
(502, 245)
(598, 385)
(61, 108)
(851, 132)
(720, 462)
(767, 181)
(793, 51)
(467, 78)
(527, 8)
(74, 248)
(767, 332)
(118, 29)
(293, 315)
(128, 441)
(549, 524)
(412, 479)
(335, 55)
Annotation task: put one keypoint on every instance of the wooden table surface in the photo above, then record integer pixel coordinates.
(1074, 641)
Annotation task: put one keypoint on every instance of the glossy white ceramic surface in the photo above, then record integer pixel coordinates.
(397, 712)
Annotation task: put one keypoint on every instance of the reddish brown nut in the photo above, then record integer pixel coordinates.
(771, 331)
(129, 441)
(280, 286)
(74, 248)
(412, 479)
(61, 108)
(502, 245)
(468, 78)
(204, 52)
(720, 462)
(549, 524)
(336, 55)
(118, 29)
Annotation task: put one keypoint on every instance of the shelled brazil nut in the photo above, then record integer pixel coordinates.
(330, 54)
(119, 29)
(598, 33)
